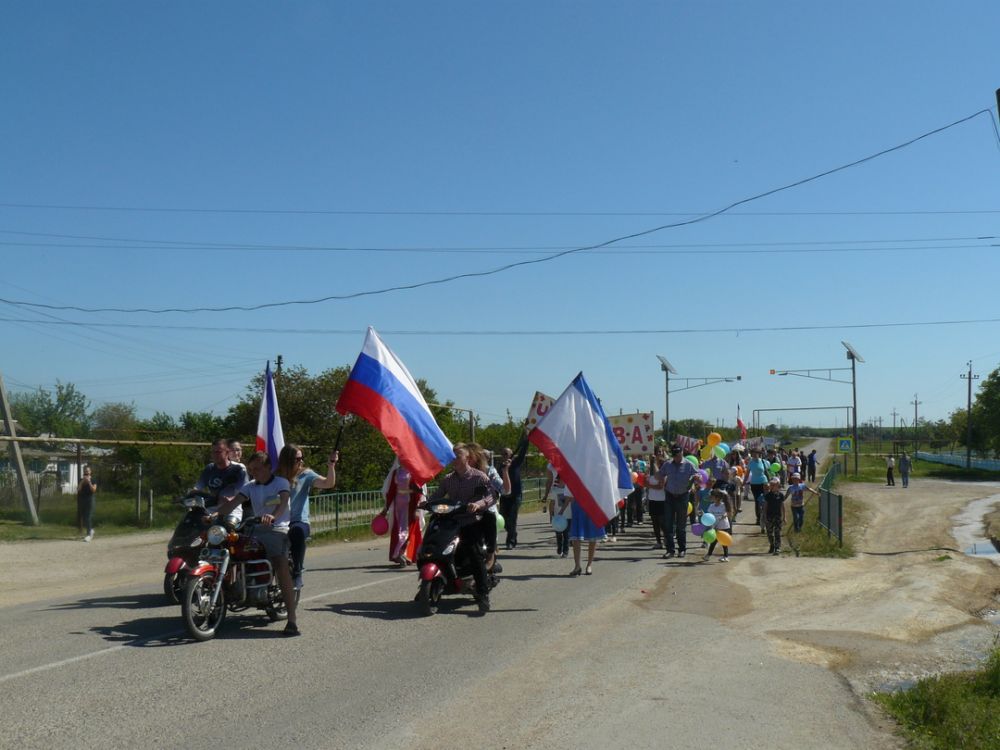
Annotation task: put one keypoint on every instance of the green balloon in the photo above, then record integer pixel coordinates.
(708, 536)
(692, 460)
(500, 523)
(775, 467)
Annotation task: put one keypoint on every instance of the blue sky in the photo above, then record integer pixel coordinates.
(191, 155)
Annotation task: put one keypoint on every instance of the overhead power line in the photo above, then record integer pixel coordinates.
(517, 264)
(511, 332)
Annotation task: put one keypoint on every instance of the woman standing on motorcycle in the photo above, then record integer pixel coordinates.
(301, 479)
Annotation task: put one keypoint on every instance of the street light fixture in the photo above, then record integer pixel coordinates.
(852, 354)
(667, 370)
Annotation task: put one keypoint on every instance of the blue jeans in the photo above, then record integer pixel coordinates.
(798, 516)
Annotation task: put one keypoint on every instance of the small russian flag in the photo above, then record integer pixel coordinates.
(270, 438)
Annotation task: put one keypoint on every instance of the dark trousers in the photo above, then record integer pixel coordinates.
(509, 506)
(297, 535)
(757, 490)
(889, 478)
(774, 532)
(470, 537)
(812, 472)
(656, 511)
(85, 513)
(675, 522)
(562, 542)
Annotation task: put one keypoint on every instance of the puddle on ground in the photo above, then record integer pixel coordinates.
(967, 529)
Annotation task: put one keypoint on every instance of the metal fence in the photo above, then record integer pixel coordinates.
(334, 511)
(958, 459)
(831, 505)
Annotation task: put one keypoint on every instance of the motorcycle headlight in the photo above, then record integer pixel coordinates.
(197, 541)
(442, 508)
(450, 548)
(217, 535)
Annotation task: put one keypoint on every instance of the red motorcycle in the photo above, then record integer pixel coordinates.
(185, 544)
(232, 574)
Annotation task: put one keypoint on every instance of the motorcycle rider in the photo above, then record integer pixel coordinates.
(223, 479)
(469, 485)
(269, 495)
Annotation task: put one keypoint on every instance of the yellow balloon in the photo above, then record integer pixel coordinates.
(724, 538)
(714, 439)
(690, 509)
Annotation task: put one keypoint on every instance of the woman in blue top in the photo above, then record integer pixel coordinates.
(757, 468)
(292, 467)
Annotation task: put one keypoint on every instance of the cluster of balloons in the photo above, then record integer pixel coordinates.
(639, 478)
(705, 529)
(714, 447)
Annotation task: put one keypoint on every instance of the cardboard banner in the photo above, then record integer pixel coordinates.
(540, 405)
(634, 432)
(687, 444)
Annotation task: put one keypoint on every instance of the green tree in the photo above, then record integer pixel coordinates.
(63, 413)
(114, 420)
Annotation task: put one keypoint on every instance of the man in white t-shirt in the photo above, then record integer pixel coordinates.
(269, 496)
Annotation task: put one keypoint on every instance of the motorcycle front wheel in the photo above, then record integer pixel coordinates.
(173, 587)
(201, 620)
(429, 596)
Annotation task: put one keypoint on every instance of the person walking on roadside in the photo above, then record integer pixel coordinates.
(757, 469)
(905, 466)
(510, 504)
(678, 475)
(774, 515)
(811, 465)
(403, 496)
(559, 505)
(656, 497)
(85, 505)
(890, 464)
(797, 490)
(720, 507)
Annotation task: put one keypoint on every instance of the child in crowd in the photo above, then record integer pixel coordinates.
(560, 504)
(774, 514)
(797, 490)
(701, 507)
(722, 509)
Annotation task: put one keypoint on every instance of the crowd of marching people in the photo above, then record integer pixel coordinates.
(698, 492)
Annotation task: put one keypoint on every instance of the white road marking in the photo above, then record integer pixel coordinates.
(171, 634)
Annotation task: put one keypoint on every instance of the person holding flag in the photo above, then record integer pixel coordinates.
(577, 439)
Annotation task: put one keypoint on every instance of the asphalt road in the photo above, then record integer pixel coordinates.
(627, 657)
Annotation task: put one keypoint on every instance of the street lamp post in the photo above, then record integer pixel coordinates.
(852, 355)
(669, 368)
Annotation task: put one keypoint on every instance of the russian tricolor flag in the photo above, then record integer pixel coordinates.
(270, 438)
(576, 437)
(381, 391)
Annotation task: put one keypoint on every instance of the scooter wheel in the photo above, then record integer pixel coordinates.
(428, 597)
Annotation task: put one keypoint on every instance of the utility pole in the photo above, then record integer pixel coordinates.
(915, 403)
(894, 415)
(968, 409)
(15, 455)
(277, 365)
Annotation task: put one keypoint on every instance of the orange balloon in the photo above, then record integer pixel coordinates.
(724, 538)
(714, 439)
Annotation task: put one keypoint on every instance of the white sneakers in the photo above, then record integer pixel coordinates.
(89, 537)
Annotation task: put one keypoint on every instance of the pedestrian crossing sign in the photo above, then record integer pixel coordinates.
(845, 445)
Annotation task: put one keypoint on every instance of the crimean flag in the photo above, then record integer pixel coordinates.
(270, 438)
(577, 439)
(381, 391)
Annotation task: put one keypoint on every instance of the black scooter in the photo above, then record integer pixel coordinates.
(444, 565)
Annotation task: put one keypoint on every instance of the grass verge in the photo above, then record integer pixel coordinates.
(949, 711)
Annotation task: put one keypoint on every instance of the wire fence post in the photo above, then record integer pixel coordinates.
(151, 508)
